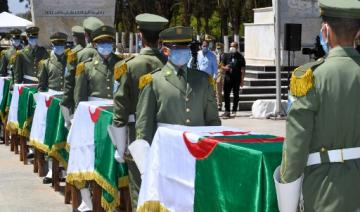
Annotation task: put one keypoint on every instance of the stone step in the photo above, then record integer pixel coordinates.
(261, 89)
(265, 75)
(268, 68)
(263, 82)
(254, 97)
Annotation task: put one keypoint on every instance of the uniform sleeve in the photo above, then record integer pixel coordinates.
(81, 85)
(68, 99)
(43, 77)
(146, 114)
(122, 99)
(18, 69)
(3, 65)
(211, 112)
(299, 130)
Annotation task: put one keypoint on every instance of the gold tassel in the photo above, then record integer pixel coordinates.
(80, 68)
(212, 81)
(119, 71)
(300, 85)
(144, 80)
(71, 57)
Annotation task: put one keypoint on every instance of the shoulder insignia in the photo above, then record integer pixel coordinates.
(212, 81)
(119, 71)
(145, 80)
(13, 58)
(302, 78)
(80, 68)
(71, 57)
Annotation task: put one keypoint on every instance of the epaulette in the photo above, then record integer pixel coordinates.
(156, 70)
(302, 78)
(67, 51)
(145, 80)
(212, 81)
(80, 68)
(119, 70)
(129, 58)
(71, 57)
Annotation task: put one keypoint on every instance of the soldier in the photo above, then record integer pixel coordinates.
(52, 70)
(126, 97)
(95, 76)
(78, 34)
(173, 94)
(27, 60)
(322, 130)
(220, 74)
(8, 56)
(76, 57)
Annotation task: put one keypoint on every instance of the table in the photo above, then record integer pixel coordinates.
(210, 169)
(92, 152)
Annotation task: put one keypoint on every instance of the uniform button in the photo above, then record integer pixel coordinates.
(61, 77)
(109, 95)
(186, 99)
(108, 80)
(108, 88)
(187, 120)
(187, 109)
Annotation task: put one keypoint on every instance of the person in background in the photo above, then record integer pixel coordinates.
(206, 60)
(26, 67)
(219, 52)
(8, 56)
(233, 64)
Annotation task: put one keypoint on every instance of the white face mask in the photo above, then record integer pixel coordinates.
(232, 49)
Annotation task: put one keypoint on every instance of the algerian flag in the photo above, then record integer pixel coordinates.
(12, 123)
(210, 169)
(91, 154)
(37, 134)
(4, 90)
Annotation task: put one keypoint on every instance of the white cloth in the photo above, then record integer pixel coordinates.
(81, 137)
(170, 172)
(263, 108)
(2, 83)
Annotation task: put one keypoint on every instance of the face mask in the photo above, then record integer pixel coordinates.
(205, 50)
(104, 48)
(211, 45)
(33, 41)
(232, 49)
(58, 49)
(323, 41)
(15, 42)
(179, 57)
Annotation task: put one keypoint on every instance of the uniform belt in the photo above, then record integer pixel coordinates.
(335, 156)
(93, 98)
(131, 118)
(9, 72)
(31, 78)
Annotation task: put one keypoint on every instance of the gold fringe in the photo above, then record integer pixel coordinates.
(54, 152)
(39, 146)
(152, 206)
(79, 69)
(123, 181)
(144, 80)
(78, 179)
(119, 71)
(212, 82)
(25, 131)
(300, 85)
(12, 127)
(3, 117)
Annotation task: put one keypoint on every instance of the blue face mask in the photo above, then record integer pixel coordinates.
(324, 44)
(59, 49)
(179, 57)
(104, 48)
(33, 41)
(15, 42)
(205, 50)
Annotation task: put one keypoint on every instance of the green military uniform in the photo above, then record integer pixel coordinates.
(27, 60)
(77, 57)
(7, 58)
(95, 77)
(126, 97)
(323, 117)
(52, 70)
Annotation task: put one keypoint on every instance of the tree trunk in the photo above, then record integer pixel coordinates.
(207, 30)
(198, 25)
(186, 14)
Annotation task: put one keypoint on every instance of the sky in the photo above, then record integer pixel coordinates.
(16, 7)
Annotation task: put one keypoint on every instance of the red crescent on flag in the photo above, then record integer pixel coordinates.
(48, 100)
(95, 116)
(20, 89)
(202, 149)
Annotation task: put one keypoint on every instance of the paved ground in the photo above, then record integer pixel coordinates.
(21, 190)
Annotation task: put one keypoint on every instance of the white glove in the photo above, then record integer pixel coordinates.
(140, 150)
(86, 203)
(67, 117)
(288, 194)
(118, 137)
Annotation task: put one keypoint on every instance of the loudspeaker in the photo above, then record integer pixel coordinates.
(292, 37)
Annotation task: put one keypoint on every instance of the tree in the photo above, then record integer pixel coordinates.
(186, 13)
(4, 6)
